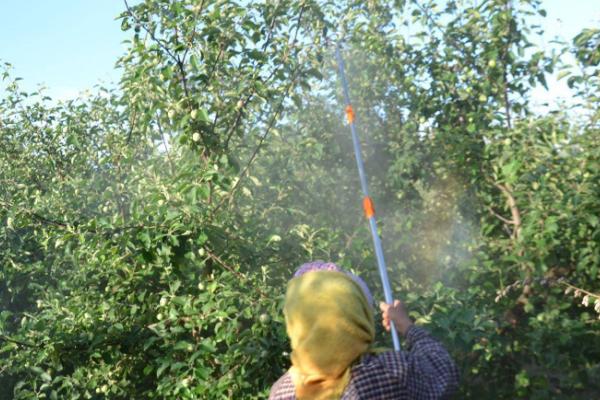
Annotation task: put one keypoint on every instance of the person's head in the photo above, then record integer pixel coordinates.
(330, 322)
(319, 265)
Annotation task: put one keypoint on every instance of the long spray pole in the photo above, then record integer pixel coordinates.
(368, 207)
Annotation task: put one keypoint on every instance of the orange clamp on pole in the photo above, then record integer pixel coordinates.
(368, 207)
(349, 114)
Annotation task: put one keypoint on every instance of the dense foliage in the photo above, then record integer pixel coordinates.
(147, 232)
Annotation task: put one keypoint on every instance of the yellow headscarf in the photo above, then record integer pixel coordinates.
(330, 325)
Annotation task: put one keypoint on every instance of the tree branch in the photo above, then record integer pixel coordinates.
(505, 74)
(229, 268)
(162, 135)
(15, 341)
(500, 217)
(514, 210)
(270, 125)
(158, 41)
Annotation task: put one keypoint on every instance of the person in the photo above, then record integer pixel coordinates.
(330, 323)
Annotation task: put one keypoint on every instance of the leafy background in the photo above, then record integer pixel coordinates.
(148, 232)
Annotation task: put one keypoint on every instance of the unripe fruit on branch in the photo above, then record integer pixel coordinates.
(264, 318)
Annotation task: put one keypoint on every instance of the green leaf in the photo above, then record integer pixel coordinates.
(522, 379)
(183, 345)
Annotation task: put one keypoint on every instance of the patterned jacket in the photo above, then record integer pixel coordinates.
(424, 371)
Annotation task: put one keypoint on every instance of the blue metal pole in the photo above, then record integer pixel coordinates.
(367, 202)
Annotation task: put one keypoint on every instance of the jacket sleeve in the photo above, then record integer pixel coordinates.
(283, 389)
(426, 370)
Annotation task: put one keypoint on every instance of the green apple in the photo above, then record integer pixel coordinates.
(264, 318)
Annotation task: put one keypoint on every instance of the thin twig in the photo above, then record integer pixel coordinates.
(41, 218)
(232, 270)
(15, 341)
(500, 217)
(514, 210)
(270, 125)
(158, 41)
(162, 136)
(253, 156)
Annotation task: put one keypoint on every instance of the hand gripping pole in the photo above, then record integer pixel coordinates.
(368, 207)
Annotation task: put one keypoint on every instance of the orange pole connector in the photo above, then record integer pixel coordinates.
(349, 114)
(368, 207)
